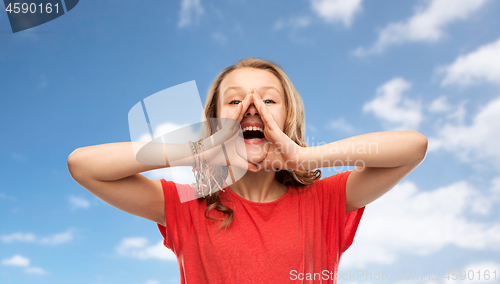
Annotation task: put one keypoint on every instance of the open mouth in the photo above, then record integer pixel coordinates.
(253, 134)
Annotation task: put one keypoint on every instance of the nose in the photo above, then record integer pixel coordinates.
(252, 111)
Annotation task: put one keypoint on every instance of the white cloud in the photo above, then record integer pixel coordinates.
(172, 280)
(475, 142)
(334, 11)
(164, 173)
(292, 22)
(57, 238)
(390, 106)
(16, 260)
(154, 156)
(459, 114)
(481, 65)
(138, 248)
(182, 175)
(18, 237)
(78, 202)
(410, 221)
(31, 238)
(496, 186)
(427, 24)
(8, 197)
(219, 37)
(163, 129)
(440, 104)
(21, 261)
(35, 270)
(17, 156)
(191, 11)
(341, 125)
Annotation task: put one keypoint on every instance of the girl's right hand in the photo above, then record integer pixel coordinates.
(229, 138)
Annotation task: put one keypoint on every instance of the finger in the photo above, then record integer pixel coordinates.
(261, 107)
(253, 168)
(273, 162)
(237, 112)
(268, 164)
(236, 160)
(237, 152)
(270, 125)
(245, 104)
(268, 118)
(230, 125)
(240, 110)
(257, 102)
(223, 137)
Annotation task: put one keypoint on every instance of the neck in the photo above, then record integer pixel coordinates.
(260, 186)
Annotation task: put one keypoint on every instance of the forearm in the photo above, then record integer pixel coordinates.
(114, 161)
(377, 149)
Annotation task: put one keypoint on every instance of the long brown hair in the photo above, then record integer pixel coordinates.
(294, 128)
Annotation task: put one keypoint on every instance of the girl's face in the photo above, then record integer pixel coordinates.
(233, 90)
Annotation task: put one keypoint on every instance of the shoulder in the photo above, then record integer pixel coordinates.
(327, 186)
(177, 193)
(335, 180)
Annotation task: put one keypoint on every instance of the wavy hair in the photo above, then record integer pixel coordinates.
(294, 128)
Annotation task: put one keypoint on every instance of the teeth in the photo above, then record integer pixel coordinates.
(252, 128)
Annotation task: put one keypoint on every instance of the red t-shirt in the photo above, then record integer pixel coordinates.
(304, 231)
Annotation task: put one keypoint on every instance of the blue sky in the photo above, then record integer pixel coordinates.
(360, 67)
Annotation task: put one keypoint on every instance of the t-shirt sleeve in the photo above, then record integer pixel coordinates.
(178, 219)
(341, 228)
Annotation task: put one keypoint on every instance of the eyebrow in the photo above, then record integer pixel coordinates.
(241, 89)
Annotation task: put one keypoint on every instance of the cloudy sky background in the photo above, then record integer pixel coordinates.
(360, 66)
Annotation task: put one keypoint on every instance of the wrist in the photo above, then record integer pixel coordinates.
(306, 159)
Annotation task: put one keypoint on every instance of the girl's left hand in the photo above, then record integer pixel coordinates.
(283, 152)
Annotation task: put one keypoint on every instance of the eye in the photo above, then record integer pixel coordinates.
(234, 102)
(269, 102)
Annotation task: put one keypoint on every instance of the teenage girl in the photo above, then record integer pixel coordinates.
(279, 222)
